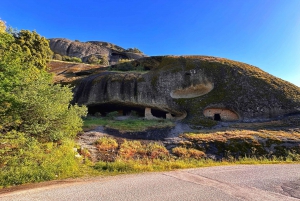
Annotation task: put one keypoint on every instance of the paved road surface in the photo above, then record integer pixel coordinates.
(244, 182)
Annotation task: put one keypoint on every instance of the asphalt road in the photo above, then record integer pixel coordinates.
(241, 182)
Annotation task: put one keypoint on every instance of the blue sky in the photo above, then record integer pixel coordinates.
(264, 33)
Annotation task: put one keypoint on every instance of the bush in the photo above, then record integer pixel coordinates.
(134, 50)
(93, 60)
(71, 59)
(76, 59)
(131, 149)
(57, 57)
(104, 61)
(157, 151)
(31, 161)
(112, 115)
(183, 152)
(106, 144)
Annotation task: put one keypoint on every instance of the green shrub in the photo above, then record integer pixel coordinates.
(93, 60)
(134, 50)
(76, 59)
(112, 115)
(57, 57)
(31, 161)
(104, 61)
(71, 59)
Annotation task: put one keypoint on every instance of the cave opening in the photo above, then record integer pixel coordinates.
(217, 117)
(158, 113)
(123, 110)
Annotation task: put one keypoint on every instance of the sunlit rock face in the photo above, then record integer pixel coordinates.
(196, 87)
(84, 50)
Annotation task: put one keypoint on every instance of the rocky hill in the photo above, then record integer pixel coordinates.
(199, 89)
(100, 50)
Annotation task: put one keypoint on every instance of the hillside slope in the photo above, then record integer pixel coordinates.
(200, 89)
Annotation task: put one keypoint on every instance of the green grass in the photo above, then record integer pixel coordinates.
(156, 165)
(36, 162)
(127, 125)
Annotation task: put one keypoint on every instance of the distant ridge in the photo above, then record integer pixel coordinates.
(99, 49)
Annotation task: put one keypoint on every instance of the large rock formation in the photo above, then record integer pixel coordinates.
(84, 50)
(200, 89)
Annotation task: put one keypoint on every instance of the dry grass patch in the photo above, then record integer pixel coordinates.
(106, 144)
(183, 152)
(243, 134)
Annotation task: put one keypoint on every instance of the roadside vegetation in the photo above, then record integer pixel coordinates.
(37, 122)
(118, 157)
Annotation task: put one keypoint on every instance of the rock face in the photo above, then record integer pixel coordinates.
(202, 89)
(84, 50)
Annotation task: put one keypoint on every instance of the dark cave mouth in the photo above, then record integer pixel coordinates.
(124, 110)
(217, 117)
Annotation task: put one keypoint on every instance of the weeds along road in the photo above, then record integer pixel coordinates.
(240, 182)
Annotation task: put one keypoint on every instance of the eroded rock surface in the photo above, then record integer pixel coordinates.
(175, 86)
(84, 50)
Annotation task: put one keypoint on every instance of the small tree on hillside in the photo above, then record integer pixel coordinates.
(35, 47)
(2, 26)
(93, 60)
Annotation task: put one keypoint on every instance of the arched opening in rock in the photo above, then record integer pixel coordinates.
(217, 117)
(158, 113)
(221, 114)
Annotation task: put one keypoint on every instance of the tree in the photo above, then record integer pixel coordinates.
(35, 48)
(2, 26)
(93, 60)
(29, 101)
(104, 61)
(134, 50)
(37, 121)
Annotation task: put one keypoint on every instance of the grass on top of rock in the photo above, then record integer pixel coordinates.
(131, 124)
(293, 134)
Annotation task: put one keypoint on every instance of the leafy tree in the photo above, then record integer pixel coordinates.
(36, 118)
(134, 50)
(93, 60)
(104, 61)
(2, 26)
(29, 101)
(35, 47)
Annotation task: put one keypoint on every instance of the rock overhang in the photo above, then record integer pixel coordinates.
(190, 85)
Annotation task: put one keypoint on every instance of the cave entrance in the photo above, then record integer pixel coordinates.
(123, 110)
(217, 117)
(158, 113)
